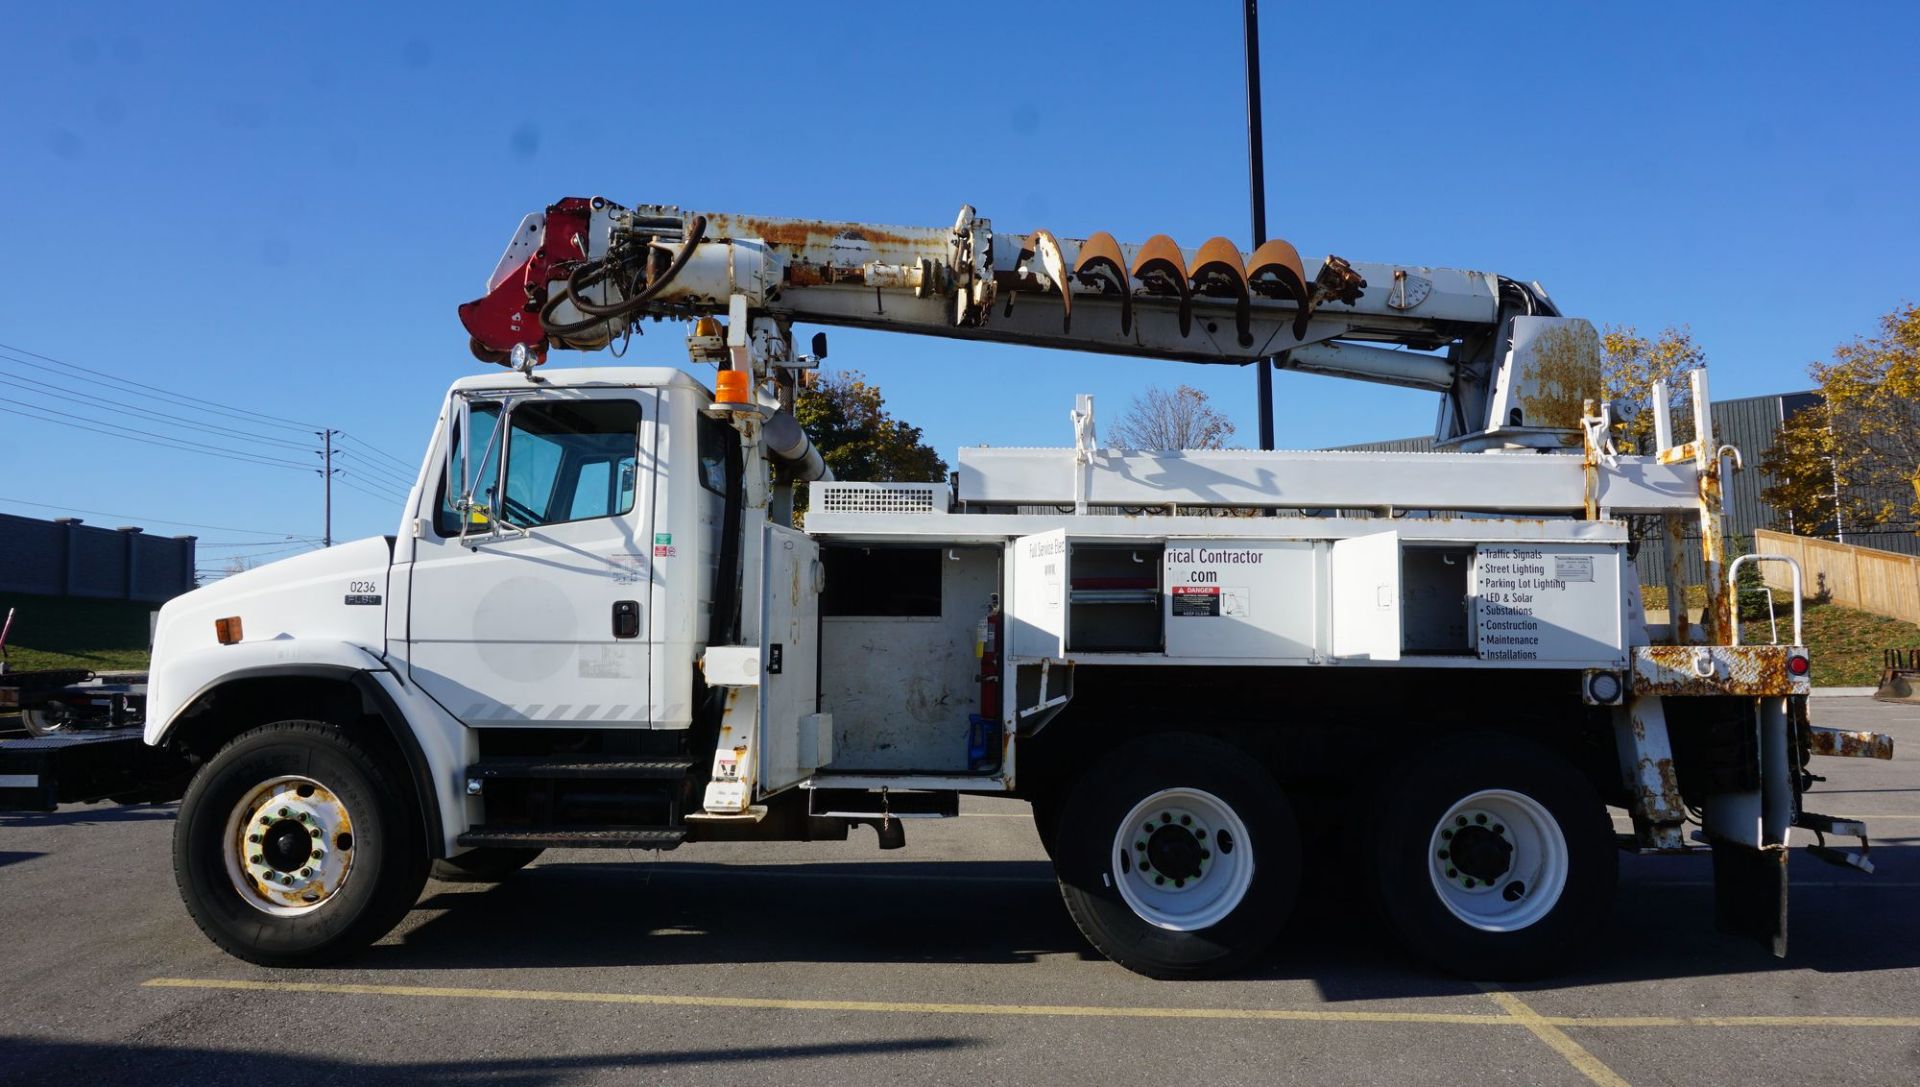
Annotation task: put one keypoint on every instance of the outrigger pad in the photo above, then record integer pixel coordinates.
(1750, 893)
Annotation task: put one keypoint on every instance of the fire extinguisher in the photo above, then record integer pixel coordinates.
(983, 728)
(987, 648)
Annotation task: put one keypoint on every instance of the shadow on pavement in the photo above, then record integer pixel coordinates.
(16, 856)
(37, 1061)
(671, 913)
(81, 815)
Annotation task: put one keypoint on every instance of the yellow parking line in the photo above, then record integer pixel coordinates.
(783, 1004)
(1584, 1062)
(1303, 1015)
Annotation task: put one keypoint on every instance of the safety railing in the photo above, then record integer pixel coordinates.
(1773, 621)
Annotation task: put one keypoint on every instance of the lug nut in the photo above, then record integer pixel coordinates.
(1443, 854)
(1498, 829)
(1468, 881)
(253, 838)
(1139, 845)
(1481, 819)
(1159, 880)
(1453, 873)
(318, 853)
(306, 873)
(284, 812)
(1165, 817)
(1204, 854)
(305, 818)
(1447, 834)
(1179, 883)
(257, 859)
(1458, 820)
(1201, 834)
(1186, 820)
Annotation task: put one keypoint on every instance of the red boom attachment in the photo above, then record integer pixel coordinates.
(509, 313)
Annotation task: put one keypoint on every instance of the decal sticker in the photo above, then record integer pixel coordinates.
(627, 569)
(1196, 601)
(363, 598)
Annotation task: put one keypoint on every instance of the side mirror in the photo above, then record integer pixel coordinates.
(459, 428)
(819, 345)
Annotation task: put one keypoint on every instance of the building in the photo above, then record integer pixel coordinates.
(64, 557)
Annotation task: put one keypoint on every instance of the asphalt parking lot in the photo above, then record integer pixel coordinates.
(949, 961)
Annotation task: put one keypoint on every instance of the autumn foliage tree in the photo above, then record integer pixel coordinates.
(847, 418)
(1856, 456)
(1179, 419)
(1629, 365)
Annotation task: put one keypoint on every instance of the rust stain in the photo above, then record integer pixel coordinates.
(1851, 745)
(1747, 670)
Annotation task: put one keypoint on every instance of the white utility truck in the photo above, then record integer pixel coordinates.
(1220, 677)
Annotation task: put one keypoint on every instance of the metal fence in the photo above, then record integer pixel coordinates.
(67, 558)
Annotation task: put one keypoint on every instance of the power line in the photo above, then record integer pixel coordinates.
(224, 432)
(371, 494)
(373, 481)
(211, 405)
(375, 469)
(362, 441)
(150, 438)
(155, 520)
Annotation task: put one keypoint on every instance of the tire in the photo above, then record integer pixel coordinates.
(1046, 821)
(1245, 879)
(283, 789)
(47, 719)
(1530, 861)
(485, 865)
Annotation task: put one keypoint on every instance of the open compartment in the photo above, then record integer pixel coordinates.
(1113, 598)
(1436, 600)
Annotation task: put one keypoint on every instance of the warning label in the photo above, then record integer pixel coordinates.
(1196, 600)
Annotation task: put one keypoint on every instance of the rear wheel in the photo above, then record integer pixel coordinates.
(297, 844)
(1495, 858)
(1178, 856)
(486, 865)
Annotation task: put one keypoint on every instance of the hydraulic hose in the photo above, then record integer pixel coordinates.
(594, 272)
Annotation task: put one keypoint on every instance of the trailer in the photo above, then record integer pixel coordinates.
(1222, 679)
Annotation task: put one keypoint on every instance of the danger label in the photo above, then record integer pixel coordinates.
(1196, 600)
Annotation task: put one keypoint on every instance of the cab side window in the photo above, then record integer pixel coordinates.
(570, 460)
(484, 418)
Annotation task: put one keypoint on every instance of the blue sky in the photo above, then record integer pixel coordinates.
(280, 209)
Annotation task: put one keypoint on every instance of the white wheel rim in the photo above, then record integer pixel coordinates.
(1183, 860)
(288, 845)
(1498, 860)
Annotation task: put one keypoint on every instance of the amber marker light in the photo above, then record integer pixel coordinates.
(227, 630)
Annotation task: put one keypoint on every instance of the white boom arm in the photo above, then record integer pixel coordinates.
(581, 273)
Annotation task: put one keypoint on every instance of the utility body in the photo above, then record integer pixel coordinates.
(1222, 679)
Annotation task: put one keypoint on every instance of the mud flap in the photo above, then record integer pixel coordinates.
(1750, 893)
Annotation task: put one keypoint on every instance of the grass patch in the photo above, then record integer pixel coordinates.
(1845, 644)
(72, 632)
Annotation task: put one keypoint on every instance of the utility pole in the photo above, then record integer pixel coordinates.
(326, 475)
(1257, 163)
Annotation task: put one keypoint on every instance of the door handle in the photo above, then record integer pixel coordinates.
(626, 618)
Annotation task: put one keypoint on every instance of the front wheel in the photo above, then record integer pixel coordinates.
(297, 844)
(1178, 856)
(1495, 857)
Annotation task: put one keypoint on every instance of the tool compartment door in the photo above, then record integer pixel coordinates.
(1365, 577)
(1036, 624)
(794, 739)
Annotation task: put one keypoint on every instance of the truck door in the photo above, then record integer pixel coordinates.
(1366, 597)
(539, 615)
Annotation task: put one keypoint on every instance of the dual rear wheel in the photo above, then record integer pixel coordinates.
(1179, 856)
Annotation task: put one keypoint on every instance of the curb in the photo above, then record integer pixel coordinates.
(1845, 692)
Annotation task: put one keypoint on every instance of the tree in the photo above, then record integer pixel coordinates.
(846, 417)
(1181, 419)
(1856, 457)
(1629, 365)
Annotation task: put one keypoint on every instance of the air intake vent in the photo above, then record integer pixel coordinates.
(879, 497)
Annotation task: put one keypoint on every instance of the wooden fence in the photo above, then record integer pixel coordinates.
(1857, 577)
